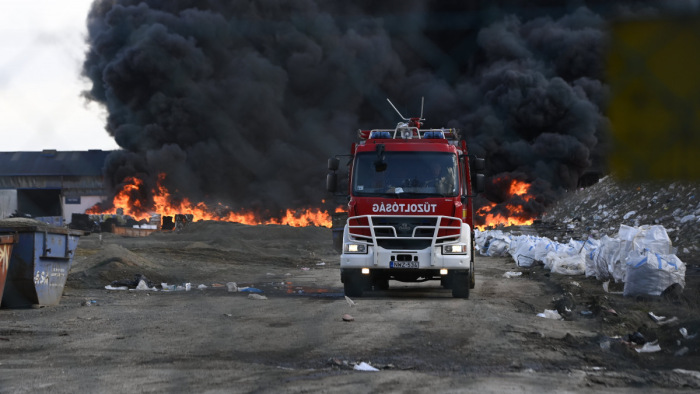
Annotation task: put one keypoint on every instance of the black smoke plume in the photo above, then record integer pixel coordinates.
(241, 102)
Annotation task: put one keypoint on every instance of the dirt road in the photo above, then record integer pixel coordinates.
(417, 336)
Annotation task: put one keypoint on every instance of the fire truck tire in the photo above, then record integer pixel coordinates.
(460, 289)
(354, 284)
(460, 286)
(472, 278)
(381, 283)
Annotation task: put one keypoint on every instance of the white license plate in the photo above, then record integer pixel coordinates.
(403, 264)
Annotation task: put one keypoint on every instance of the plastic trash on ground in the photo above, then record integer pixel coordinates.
(550, 314)
(649, 347)
(110, 287)
(143, 286)
(363, 366)
(249, 290)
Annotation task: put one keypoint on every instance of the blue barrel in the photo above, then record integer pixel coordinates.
(39, 263)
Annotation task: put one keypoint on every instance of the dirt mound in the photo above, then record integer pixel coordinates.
(108, 264)
(203, 252)
(272, 241)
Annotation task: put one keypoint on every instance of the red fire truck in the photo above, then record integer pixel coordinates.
(410, 211)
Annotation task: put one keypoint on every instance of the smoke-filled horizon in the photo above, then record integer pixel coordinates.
(241, 102)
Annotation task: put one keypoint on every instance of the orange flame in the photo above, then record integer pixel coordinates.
(515, 212)
(127, 201)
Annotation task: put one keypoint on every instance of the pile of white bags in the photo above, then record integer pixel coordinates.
(641, 257)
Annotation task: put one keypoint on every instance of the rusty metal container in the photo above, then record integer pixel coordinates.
(6, 243)
(39, 262)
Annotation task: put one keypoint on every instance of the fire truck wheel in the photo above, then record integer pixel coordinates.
(460, 287)
(472, 278)
(354, 284)
(381, 283)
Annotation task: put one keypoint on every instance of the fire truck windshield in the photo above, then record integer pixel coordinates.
(407, 174)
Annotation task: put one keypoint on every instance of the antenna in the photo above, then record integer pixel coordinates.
(422, 100)
(397, 111)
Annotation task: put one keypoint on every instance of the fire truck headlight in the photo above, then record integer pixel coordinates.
(454, 249)
(355, 248)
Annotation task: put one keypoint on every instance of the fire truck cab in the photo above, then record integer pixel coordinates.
(410, 211)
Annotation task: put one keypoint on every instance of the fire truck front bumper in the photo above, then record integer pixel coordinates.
(371, 256)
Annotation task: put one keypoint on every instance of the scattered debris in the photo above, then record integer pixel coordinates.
(550, 314)
(606, 288)
(254, 296)
(347, 317)
(135, 283)
(655, 318)
(636, 338)
(110, 287)
(202, 287)
(249, 290)
(349, 301)
(338, 362)
(511, 274)
(692, 373)
(363, 366)
(611, 311)
(684, 333)
(649, 347)
(681, 352)
(232, 287)
(669, 321)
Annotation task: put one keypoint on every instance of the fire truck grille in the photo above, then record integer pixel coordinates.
(403, 244)
(405, 232)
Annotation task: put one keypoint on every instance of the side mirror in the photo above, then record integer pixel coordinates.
(479, 164)
(331, 182)
(333, 164)
(480, 183)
